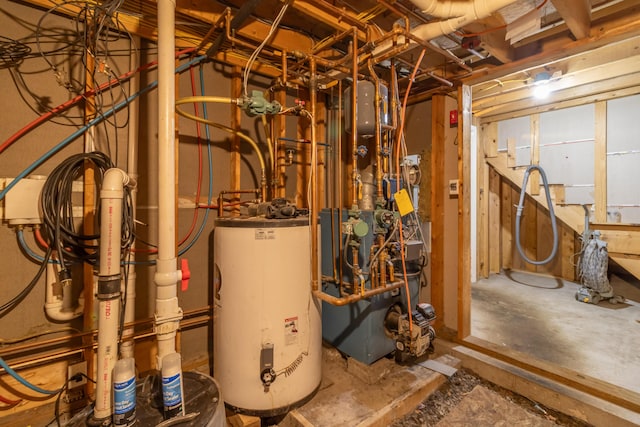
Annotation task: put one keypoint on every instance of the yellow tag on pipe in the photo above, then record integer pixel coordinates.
(403, 201)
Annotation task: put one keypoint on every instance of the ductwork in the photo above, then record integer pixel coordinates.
(473, 10)
(456, 14)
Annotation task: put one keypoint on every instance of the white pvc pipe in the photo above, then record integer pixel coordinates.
(111, 197)
(53, 305)
(168, 312)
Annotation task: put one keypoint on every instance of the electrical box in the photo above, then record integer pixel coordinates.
(454, 187)
(22, 202)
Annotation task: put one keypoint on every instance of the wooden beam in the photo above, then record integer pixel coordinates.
(566, 84)
(600, 162)
(338, 18)
(593, 91)
(506, 224)
(619, 28)
(576, 14)
(438, 120)
(464, 212)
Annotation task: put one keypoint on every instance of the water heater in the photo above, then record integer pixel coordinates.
(267, 325)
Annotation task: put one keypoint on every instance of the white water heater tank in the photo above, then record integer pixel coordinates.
(267, 324)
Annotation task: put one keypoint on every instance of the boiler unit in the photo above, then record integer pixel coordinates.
(358, 329)
(267, 337)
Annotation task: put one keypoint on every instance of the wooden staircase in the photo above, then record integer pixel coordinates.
(623, 239)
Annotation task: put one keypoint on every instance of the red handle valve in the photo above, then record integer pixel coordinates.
(186, 274)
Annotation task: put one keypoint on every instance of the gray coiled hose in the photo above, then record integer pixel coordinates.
(554, 226)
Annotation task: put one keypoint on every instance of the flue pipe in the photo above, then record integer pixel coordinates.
(109, 276)
(167, 313)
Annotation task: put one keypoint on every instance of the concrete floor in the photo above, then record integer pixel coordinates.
(539, 315)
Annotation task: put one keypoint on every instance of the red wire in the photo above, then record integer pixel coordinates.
(60, 108)
(199, 139)
(9, 401)
(39, 238)
(397, 147)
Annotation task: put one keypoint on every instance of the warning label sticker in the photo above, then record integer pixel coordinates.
(291, 330)
(265, 234)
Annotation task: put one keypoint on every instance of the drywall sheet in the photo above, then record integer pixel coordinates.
(623, 124)
(566, 151)
(520, 130)
(623, 158)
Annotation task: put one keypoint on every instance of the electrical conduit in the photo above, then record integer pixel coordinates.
(520, 208)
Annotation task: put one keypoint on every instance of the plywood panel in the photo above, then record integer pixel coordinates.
(545, 243)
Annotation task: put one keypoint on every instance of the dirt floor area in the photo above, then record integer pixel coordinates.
(435, 409)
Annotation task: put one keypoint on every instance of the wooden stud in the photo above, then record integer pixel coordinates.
(494, 221)
(482, 215)
(534, 178)
(490, 139)
(438, 196)
(506, 224)
(511, 152)
(90, 199)
(236, 119)
(600, 162)
(464, 212)
(280, 132)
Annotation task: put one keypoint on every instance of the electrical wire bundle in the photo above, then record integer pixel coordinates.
(59, 226)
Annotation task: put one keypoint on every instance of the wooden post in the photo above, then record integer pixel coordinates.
(464, 212)
(437, 206)
(89, 217)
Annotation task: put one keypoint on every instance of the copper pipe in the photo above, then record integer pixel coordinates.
(382, 260)
(14, 349)
(40, 359)
(378, 142)
(340, 189)
(331, 40)
(192, 318)
(354, 123)
(349, 299)
(256, 191)
(314, 176)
